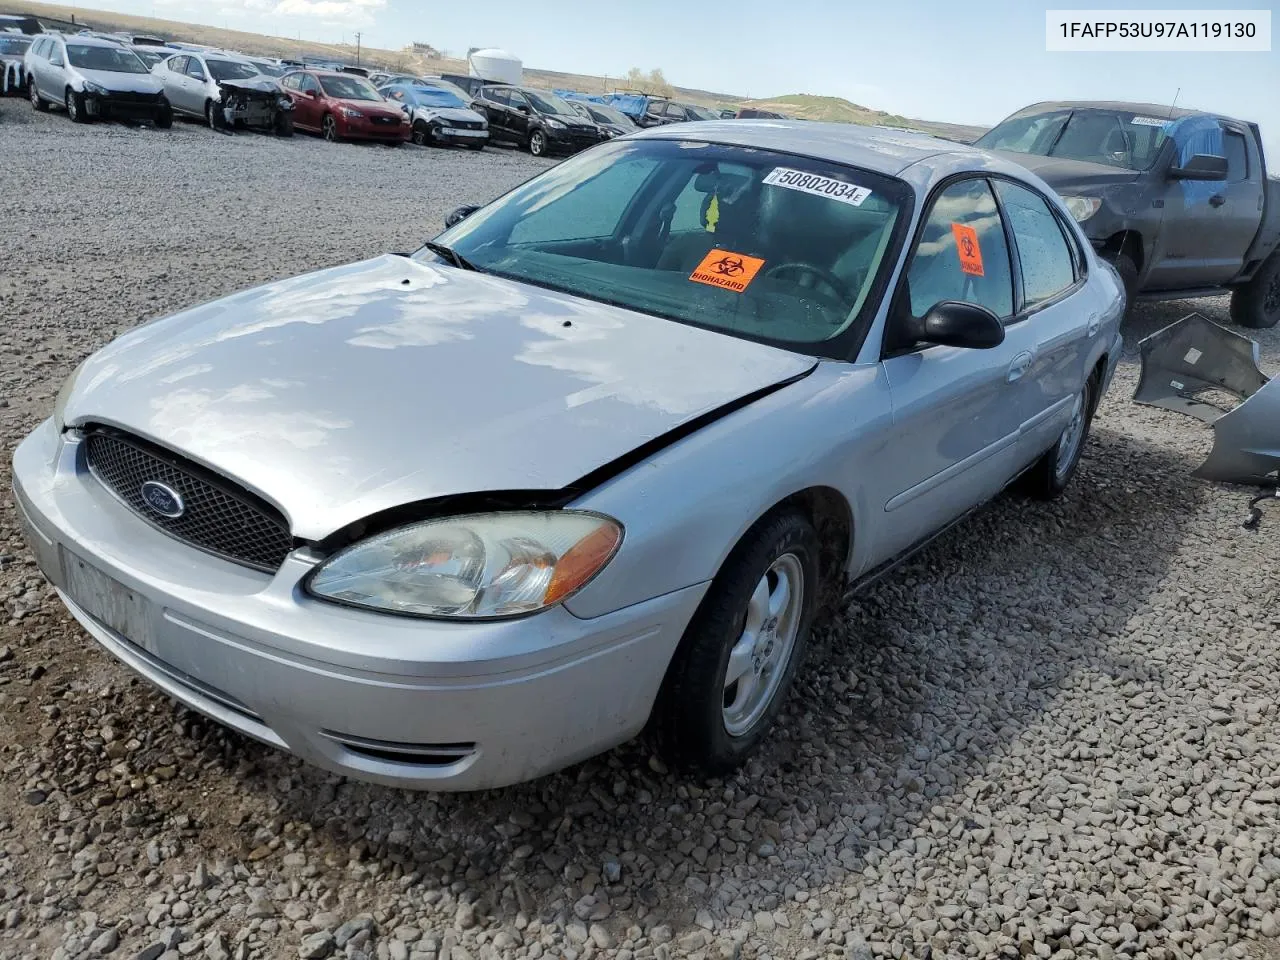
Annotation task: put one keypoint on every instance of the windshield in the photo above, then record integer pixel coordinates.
(549, 103)
(1117, 138)
(700, 113)
(349, 88)
(604, 114)
(230, 69)
(14, 44)
(269, 69)
(150, 57)
(436, 97)
(752, 243)
(110, 59)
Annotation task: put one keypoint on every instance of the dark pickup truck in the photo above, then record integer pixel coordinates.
(1179, 201)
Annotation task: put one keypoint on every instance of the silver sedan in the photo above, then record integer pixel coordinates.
(192, 81)
(595, 456)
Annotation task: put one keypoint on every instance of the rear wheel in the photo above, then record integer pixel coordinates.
(1049, 477)
(1256, 305)
(37, 101)
(75, 106)
(329, 128)
(735, 664)
(538, 143)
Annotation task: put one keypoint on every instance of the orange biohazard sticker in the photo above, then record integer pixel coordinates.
(722, 268)
(968, 249)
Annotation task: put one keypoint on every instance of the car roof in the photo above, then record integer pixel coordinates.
(1121, 106)
(89, 41)
(882, 149)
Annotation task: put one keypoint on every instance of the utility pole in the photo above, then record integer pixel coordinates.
(357, 49)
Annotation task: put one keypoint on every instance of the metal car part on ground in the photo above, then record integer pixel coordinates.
(1189, 367)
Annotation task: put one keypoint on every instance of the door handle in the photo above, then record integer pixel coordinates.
(1019, 365)
(1217, 200)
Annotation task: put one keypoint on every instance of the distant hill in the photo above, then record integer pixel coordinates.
(803, 105)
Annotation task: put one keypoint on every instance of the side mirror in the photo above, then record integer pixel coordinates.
(460, 214)
(523, 108)
(955, 324)
(1202, 166)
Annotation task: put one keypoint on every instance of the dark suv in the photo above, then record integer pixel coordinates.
(660, 112)
(537, 120)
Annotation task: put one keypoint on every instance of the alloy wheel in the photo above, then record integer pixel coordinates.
(330, 129)
(33, 93)
(758, 660)
(1069, 443)
(71, 106)
(538, 143)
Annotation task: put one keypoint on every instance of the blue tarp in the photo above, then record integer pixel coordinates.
(1192, 135)
(575, 95)
(632, 104)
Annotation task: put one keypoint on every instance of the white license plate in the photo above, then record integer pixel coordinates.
(454, 132)
(107, 600)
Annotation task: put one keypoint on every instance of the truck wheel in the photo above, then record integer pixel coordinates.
(1256, 305)
(37, 101)
(1128, 271)
(733, 668)
(284, 124)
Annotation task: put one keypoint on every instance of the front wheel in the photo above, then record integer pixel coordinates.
(421, 134)
(476, 146)
(538, 143)
(1049, 477)
(1128, 271)
(1256, 305)
(329, 128)
(164, 117)
(284, 124)
(735, 664)
(75, 107)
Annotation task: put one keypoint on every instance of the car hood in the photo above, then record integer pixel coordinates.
(1059, 172)
(371, 106)
(253, 85)
(457, 114)
(340, 394)
(123, 82)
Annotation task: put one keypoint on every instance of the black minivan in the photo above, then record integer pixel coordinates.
(537, 120)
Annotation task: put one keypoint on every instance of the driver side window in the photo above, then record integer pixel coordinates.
(194, 70)
(55, 56)
(962, 254)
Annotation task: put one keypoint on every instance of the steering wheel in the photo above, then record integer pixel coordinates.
(819, 278)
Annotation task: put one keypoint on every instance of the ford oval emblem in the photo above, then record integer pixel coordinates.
(163, 499)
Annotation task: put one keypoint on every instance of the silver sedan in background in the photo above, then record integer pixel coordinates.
(191, 80)
(595, 456)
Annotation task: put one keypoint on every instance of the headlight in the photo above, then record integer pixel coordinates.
(60, 402)
(351, 113)
(1082, 208)
(95, 88)
(554, 124)
(484, 566)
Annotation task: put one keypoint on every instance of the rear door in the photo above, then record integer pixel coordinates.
(171, 73)
(495, 101)
(956, 411)
(520, 116)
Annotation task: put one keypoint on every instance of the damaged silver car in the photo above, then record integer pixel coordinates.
(1206, 371)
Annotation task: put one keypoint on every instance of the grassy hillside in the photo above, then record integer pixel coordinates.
(803, 105)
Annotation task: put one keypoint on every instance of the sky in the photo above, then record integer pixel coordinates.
(974, 61)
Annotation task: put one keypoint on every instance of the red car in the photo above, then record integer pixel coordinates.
(343, 106)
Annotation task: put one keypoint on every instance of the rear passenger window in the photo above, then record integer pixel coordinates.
(1047, 267)
(1237, 156)
(962, 254)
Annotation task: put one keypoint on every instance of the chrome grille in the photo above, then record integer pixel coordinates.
(217, 516)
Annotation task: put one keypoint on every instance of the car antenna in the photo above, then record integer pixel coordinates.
(1173, 105)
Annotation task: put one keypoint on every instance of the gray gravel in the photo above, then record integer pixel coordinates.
(1054, 734)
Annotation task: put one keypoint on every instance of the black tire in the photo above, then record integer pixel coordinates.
(74, 103)
(329, 128)
(475, 146)
(1049, 477)
(213, 118)
(284, 124)
(689, 717)
(1128, 271)
(422, 133)
(538, 143)
(37, 102)
(164, 117)
(1256, 305)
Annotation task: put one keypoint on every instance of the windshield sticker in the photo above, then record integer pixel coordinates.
(713, 213)
(1149, 122)
(728, 270)
(817, 185)
(967, 248)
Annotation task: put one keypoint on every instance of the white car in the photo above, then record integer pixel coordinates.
(192, 81)
(438, 116)
(93, 78)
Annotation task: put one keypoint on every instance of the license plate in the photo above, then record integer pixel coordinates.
(107, 600)
(458, 132)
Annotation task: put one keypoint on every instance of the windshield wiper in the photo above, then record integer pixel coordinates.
(452, 255)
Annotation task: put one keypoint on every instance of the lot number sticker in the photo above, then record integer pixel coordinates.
(728, 270)
(967, 248)
(1148, 122)
(817, 185)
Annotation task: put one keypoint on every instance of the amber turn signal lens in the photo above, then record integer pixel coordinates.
(582, 561)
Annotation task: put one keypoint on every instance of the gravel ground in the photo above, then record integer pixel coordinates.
(1052, 735)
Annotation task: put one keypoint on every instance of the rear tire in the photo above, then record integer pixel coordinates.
(37, 101)
(704, 720)
(74, 103)
(1256, 305)
(1053, 472)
